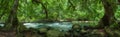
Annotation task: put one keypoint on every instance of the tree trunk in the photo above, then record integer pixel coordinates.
(45, 10)
(43, 7)
(108, 17)
(12, 21)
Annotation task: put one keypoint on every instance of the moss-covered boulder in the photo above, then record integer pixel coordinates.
(43, 30)
(55, 33)
(76, 27)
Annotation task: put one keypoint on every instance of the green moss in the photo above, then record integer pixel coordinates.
(43, 30)
(54, 33)
(76, 26)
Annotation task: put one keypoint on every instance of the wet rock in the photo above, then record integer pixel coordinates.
(43, 30)
(54, 33)
(67, 34)
(96, 33)
(30, 33)
(76, 26)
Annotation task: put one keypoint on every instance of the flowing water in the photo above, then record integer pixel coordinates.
(62, 26)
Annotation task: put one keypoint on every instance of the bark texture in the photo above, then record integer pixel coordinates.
(109, 9)
(12, 21)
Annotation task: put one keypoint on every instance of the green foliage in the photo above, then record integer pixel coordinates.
(62, 9)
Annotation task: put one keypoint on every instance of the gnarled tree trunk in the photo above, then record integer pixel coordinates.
(108, 18)
(12, 20)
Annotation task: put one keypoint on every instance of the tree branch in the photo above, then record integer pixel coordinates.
(45, 9)
(71, 5)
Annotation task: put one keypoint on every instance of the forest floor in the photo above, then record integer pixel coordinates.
(54, 33)
(7, 34)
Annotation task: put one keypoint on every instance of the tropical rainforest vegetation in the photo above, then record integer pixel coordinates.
(105, 14)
